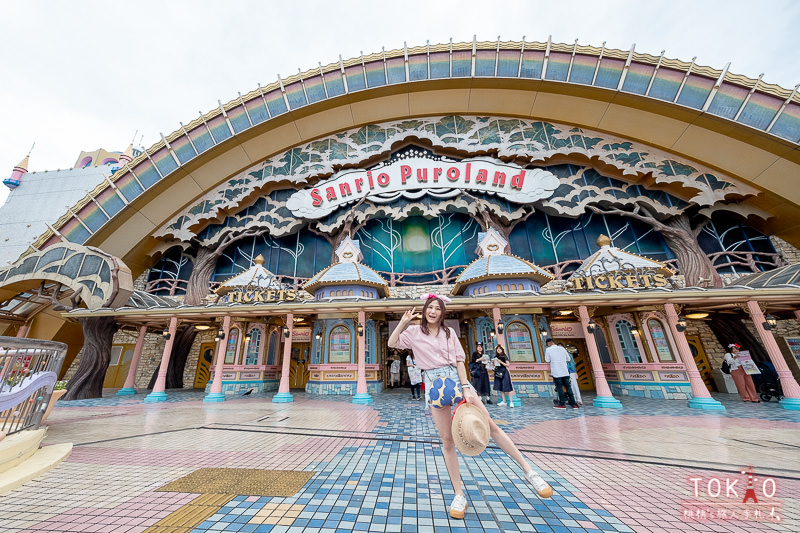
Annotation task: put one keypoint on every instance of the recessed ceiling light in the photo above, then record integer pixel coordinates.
(696, 315)
(202, 327)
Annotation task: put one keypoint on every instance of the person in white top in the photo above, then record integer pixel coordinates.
(558, 358)
(744, 383)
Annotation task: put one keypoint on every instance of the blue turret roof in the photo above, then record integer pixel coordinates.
(348, 274)
(501, 266)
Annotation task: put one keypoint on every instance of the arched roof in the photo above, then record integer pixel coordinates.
(741, 126)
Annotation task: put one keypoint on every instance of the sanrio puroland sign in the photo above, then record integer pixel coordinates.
(415, 177)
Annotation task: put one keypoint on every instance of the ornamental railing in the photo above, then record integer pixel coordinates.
(28, 371)
(724, 262)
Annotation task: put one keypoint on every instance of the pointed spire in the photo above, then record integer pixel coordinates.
(15, 179)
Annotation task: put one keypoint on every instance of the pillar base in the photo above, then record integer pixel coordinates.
(283, 397)
(214, 397)
(364, 398)
(709, 404)
(792, 404)
(127, 391)
(155, 397)
(609, 402)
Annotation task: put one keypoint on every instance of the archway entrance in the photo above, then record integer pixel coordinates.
(577, 348)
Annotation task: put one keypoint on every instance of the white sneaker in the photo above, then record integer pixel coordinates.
(511, 405)
(501, 404)
(542, 488)
(459, 507)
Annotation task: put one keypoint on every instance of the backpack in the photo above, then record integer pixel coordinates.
(726, 368)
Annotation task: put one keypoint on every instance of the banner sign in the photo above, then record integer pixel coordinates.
(566, 330)
(416, 177)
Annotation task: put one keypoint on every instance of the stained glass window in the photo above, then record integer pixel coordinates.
(630, 350)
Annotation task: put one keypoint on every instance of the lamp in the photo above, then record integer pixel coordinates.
(360, 329)
(201, 327)
(770, 323)
(286, 332)
(499, 327)
(318, 336)
(491, 333)
(591, 327)
(696, 316)
(247, 338)
(220, 335)
(166, 334)
(680, 325)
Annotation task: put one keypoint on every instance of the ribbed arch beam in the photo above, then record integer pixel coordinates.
(740, 126)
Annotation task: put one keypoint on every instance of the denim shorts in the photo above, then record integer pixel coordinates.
(429, 376)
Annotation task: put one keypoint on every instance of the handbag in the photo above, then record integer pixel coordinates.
(414, 375)
(445, 392)
(726, 368)
(500, 373)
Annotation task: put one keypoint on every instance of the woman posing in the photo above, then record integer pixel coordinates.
(744, 383)
(439, 354)
(503, 384)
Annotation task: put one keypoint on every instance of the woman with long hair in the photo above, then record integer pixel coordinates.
(439, 354)
(503, 384)
(480, 377)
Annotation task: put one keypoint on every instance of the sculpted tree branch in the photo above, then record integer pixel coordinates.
(681, 238)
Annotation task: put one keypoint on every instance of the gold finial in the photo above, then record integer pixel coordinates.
(602, 240)
(259, 260)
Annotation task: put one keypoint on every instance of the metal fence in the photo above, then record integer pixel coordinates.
(28, 371)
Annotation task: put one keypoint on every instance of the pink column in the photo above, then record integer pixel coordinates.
(701, 397)
(797, 315)
(22, 332)
(130, 381)
(215, 392)
(284, 396)
(604, 396)
(791, 391)
(362, 396)
(158, 394)
(501, 338)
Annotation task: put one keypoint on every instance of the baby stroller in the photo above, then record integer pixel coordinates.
(767, 382)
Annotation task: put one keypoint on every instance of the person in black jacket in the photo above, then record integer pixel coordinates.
(480, 377)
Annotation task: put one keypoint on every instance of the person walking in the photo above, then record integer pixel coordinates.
(480, 376)
(502, 378)
(557, 356)
(573, 378)
(414, 376)
(394, 372)
(440, 355)
(744, 383)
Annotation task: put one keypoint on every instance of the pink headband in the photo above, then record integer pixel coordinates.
(430, 295)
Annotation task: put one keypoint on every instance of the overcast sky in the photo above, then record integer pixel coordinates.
(83, 75)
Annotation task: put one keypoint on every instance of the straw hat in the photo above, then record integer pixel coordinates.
(470, 429)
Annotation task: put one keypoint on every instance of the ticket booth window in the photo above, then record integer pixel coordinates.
(520, 345)
(253, 347)
(233, 342)
(273, 348)
(339, 345)
(660, 341)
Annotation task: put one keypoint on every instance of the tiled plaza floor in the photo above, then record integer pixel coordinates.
(379, 467)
